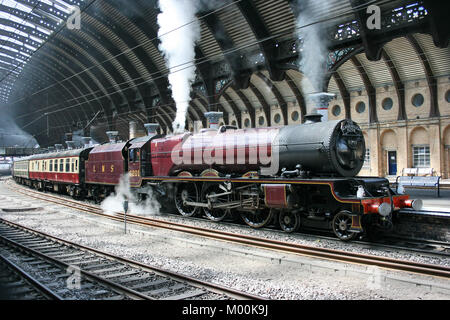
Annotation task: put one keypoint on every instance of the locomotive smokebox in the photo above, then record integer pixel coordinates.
(321, 101)
(333, 147)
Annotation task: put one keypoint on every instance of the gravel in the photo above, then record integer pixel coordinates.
(260, 272)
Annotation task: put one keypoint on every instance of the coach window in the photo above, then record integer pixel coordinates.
(50, 168)
(67, 165)
(55, 168)
(76, 165)
(61, 165)
(73, 165)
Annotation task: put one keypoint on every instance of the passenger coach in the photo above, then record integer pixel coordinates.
(59, 171)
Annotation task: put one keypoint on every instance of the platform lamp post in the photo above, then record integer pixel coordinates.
(125, 210)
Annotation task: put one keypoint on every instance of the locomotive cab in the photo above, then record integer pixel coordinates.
(139, 156)
(139, 160)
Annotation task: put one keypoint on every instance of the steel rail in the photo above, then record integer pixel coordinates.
(216, 288)
(116, 287)
(330, 254)
(44, 290)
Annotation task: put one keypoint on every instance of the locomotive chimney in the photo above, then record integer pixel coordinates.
(213, 119)
(70, 145)
(313, 118)
(151, 128)
(59, 147)
(86, 141)
(320, 101)
(112, 135)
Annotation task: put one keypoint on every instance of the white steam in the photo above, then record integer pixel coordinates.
(179, 29)
(313, 55)
(114, 203)
(11, 135)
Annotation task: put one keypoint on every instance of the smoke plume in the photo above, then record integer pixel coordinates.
(314, 52)
(178, 31)
(11, 135)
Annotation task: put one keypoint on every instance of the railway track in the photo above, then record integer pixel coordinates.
(17, 284)
(72, 271)
(438, 248)
(324, 253)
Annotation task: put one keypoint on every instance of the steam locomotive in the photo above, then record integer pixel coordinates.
(295, 175)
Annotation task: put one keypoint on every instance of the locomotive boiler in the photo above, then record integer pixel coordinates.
(322, 148)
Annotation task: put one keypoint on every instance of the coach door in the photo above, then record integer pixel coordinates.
(392, 163)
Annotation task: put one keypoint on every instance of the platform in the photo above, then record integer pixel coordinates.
(430, 201)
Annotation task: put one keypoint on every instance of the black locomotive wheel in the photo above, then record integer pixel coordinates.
(258, 218)
(342, 223)
(209, 196)
(289, 221)
(186, 192)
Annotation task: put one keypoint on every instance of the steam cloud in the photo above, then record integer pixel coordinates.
(114, 203)
(11, 135)
(178, 46)
(179, 30)
(315, 51)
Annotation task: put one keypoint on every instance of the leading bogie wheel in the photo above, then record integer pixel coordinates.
(342, 223)
(289, 220)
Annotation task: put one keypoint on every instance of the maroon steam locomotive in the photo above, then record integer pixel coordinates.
(299, 175)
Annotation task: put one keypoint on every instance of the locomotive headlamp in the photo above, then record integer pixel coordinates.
(417, 204)
(384, 209)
